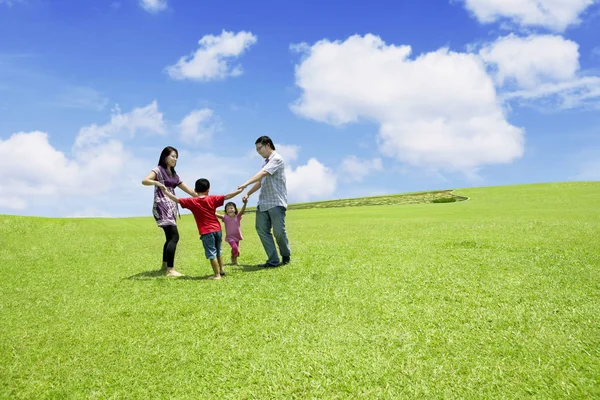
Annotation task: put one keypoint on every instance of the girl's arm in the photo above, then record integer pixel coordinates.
(187, 189)
(243, 210)
(150, 180)
(219, 216)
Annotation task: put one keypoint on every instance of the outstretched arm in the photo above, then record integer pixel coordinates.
(219, 216)
(243, 209)
(187, 189)
(256, 178)
(169, 195)
(232, 194)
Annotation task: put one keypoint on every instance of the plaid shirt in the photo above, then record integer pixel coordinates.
(273, 190)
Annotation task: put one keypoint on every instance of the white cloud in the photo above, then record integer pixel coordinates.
(541, 71)
(199, 126)
(289, 152)
(577, 93)
(439, 110)
(532, 60)
(211, 60)
(354, 169)
(310, 182)
(41, 170)
(146, 119)
(556, 15)
(154, 6)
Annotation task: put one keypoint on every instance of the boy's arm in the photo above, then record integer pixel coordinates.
(233, 194)
(169, 195)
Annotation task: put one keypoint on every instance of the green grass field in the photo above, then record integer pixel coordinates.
(496, 297)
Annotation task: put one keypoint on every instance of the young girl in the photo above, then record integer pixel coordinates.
(233, 230)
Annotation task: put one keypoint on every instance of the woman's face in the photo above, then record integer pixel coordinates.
(171, 159)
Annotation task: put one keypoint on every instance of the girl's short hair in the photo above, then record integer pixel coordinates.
(231, 203)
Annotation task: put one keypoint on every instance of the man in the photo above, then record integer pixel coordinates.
(272, 202)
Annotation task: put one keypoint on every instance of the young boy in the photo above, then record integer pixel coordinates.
(203, 208)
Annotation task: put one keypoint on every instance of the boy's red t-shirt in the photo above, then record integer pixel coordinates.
(204, 209)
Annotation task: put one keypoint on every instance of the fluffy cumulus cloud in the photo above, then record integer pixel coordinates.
(541, 70)
(153, 6)
(42, 171)
(98, 165)
(146, 119)
(213, 60)
(199, 126)
(556, 15)
(532, 60)
(438, 110)
(310, 182)
(354, 169)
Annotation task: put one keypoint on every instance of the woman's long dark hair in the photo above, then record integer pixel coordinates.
(164, 154)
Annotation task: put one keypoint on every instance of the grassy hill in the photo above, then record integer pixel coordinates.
(495, 297)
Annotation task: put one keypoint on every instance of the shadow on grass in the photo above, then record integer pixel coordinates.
(158, 274)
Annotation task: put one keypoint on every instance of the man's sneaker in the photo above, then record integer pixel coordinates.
(267, 265)
(285, 260)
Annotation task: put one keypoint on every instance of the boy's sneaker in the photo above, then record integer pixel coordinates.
(285, 260)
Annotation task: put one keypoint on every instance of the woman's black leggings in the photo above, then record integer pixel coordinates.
(172, 236)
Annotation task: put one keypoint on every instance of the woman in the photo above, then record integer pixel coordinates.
(165, 211)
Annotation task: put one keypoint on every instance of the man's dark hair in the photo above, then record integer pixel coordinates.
(264, 140)
(162, 161)
(202, 185)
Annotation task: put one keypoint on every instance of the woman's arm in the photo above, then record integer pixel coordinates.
(150, 180)
(187, 189)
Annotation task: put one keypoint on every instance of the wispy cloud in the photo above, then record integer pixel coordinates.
(154, 6)
(82, 97)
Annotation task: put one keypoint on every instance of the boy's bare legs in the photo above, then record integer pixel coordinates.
(221, 267)
(214, 263)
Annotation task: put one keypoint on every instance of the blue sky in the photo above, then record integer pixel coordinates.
(361, 99)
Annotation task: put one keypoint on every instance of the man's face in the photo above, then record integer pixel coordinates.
(263, 149)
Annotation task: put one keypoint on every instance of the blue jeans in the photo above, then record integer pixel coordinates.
(272, 218)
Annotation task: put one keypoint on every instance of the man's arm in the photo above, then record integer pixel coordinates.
(256, 178)
(252, 190)
(169, 195)
(233, 194)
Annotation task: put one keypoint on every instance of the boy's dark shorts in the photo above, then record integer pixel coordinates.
(212, 244)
